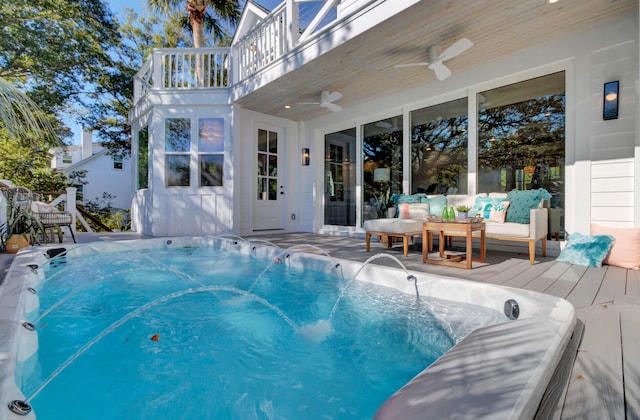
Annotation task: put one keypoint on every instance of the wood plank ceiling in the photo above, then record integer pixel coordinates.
(363, 68)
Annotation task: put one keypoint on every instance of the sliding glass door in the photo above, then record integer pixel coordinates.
(439, 148)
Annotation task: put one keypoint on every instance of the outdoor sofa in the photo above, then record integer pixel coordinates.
(518, 216)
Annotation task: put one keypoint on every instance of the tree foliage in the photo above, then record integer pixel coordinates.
(51, 49)
(112, 96)
(50, 52)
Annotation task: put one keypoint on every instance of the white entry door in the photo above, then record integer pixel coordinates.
(270, 191)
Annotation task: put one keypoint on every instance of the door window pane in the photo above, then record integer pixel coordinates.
(382, 165)
(262, 164)
(267, 160)
(273, 142)
(340, 178)
(262, 188)
(262, 140)
(273, 189)
(439, 148)
(273, 165)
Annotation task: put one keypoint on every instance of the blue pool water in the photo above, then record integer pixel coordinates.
(198, 333)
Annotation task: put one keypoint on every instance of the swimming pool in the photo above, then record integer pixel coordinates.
(550, 321)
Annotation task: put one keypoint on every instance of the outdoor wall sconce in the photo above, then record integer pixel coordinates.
(610, 103)
(306, 156)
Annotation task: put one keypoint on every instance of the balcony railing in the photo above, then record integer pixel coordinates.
(181, 68)
(205, 68)
(263, 45)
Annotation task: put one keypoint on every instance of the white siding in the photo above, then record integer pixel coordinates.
(613, 141)
(102, 177)
(612, 194)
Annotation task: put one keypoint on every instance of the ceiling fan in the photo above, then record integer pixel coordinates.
(327, 100)
(436, 60)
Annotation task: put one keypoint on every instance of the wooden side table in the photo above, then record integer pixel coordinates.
(453, 229)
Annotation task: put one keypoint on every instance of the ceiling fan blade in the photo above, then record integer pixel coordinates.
(333, 107)
(307, 103)
(442, 71)
(410, 65)
(458, 47)
(333, 96)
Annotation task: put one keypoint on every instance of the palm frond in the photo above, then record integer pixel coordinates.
(20, 116)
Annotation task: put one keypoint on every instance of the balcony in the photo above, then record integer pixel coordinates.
(215, 68)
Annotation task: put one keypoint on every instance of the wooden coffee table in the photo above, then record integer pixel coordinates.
(445, 229)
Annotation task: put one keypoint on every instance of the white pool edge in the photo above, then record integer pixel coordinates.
(461, 384)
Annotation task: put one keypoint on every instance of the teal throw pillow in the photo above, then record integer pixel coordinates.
(404, 198)
(437, 203)
(585, 250)
(522, 202)
(483, 206)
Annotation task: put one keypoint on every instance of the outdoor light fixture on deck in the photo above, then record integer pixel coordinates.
(306, 156)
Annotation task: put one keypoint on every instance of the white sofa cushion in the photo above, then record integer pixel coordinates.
(508, 229)
(391, 226)
(418, 211)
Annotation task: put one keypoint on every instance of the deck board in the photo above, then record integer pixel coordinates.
(550, 406)
(587, 288)
(633, 283)
(565, 284)
(503, 272)
(629, 316)
(544, 281)
(595, 389)
(526, 277)
(614, 285)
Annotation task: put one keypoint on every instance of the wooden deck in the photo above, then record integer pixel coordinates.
(604, 381)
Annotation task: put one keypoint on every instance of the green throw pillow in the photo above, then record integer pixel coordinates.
(522, 202)
(586, 250)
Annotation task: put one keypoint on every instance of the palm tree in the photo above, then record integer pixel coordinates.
(198, 18)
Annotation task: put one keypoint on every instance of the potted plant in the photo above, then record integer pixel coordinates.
(463, 211)
(22, 226)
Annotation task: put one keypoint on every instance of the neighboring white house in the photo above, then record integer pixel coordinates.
(104, 172)
(223, 149)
